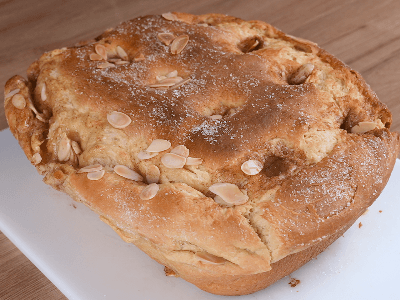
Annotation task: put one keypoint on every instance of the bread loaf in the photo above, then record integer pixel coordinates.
(226, 150)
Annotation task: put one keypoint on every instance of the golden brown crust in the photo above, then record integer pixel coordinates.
(248, 92)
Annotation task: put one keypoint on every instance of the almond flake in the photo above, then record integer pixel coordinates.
(105, 65)
(160, 77)
(166, 38)
(91, 168)
(76, 148)
(363, 127)
(172, 74)
(166, 82)
(229, 192)
(179, 43)
(64, 148)
(36, 158)
(146, 155)
(95, 175)
(95, 57)
(153, 174)
(37, 114)
(252, 167)
(173, 161)
(114, 60)
(118, 119)
(12, 93)
(221, 201)
(302, 73)
(139, 57)
(101, 50)
(158, 145)
(192, 161)
(19, 101)
(209, 258)
(127, 173)
(181, 150)
(180, 83)
(122, 62)
(43, 92)
(121, 53)
(216, 117)
(169, 16)
(149, 191)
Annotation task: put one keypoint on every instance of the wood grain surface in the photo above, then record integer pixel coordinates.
(365, 34)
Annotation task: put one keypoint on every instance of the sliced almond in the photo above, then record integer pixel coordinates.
(114, 60)
(166, 38)
(12, 93)
(180, 83)
(179, 43)
(76, 148)
(158, 145)
(18, 101)
(73, 157)
(95, 57)
(221, 201)
(193, 161)
(173, 161)
(118, 119)
(149, 191)
(122, 62)
(101, 50)
(139, 57)
(95, 175)
(209, 258)
(363, 127)
(105, 65)
(229, 192)
(172, 74)
(302, 73)
(169, 16)
(252, 167)
(160, 77)
(36, 158)
(181, 150)
(91, 168)
(166, 82)
(121, 53)
(146, 155)
(37, 114)
(64, 148)
(43, 92)
(216, 117)
(127, 173)
(153, 174)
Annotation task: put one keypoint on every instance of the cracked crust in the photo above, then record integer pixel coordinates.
(317, 176)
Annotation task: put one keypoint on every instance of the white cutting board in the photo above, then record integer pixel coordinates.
(86, 259)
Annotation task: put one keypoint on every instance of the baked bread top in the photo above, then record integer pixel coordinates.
(261, 144)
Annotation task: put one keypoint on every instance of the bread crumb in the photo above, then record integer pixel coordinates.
(294, 282)
(380, 211)
(360, 225)
(170, 272)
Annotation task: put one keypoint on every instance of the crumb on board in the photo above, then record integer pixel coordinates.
(380, 211)
(360, 225)
(169, 272)
(294, 282)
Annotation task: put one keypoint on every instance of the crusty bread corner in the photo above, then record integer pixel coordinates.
(318, 176)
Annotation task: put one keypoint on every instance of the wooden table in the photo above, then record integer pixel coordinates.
(365, 34)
